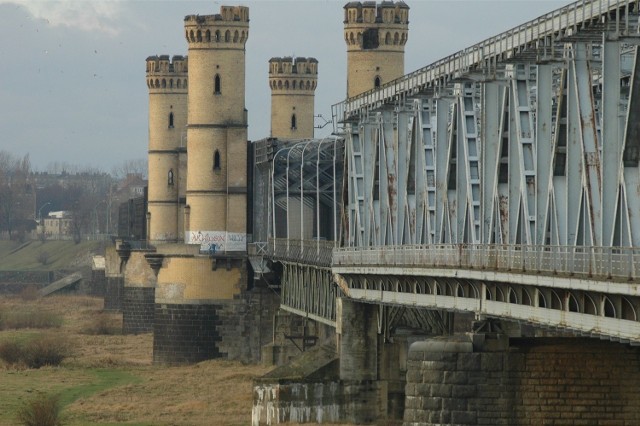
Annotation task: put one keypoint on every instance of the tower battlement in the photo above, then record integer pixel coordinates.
(289, 66)
(230, 26)
(168, 74)
(287, 74)
(369, 12)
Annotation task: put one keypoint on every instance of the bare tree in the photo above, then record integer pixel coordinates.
(81, 205)
(17, 195)
(131, 167)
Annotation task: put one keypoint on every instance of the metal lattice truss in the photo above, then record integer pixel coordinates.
(531, 137)
(307, 291)
(588, 313)
(306, 186)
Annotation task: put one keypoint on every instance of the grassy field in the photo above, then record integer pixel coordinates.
(110, 379)
(27, 256)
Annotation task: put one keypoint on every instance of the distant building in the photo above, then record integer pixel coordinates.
(58, 225)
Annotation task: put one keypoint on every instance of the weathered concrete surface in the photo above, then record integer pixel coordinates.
(560, 381)
(67, 281)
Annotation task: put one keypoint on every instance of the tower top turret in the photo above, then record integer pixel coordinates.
(369, 12)
(288, 74)
(289, 65)
(167, 75)
(375, 34)
(230, 27)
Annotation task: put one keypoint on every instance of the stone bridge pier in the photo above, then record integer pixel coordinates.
(483, 378)
(414, 378)
(471, 380)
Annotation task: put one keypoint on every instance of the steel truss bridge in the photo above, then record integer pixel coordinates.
(502, 180)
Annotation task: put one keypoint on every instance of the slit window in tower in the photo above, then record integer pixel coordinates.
(171, 120)
(217, 90)
(170, 177)
(216, 161)
(294, 122)
(376, 82)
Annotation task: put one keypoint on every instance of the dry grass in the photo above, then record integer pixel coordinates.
(111, 379)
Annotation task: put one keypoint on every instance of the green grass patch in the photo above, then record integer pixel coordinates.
(69, 384)
(102, 379)
(28, 257)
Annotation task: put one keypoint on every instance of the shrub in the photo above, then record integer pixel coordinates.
(102, 324)
(36, 353)
(43, 257)
(28, 318)
(47, 350)
(29, 293)
(11, 352)
(43, 410)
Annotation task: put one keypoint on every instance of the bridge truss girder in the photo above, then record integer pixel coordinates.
(587, 313)
(537, 153)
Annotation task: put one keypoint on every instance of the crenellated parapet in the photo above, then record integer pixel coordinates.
(166, 75)
(228, 29)
(369, 26)
(293, 74)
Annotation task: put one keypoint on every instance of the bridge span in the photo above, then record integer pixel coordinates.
(502, 181)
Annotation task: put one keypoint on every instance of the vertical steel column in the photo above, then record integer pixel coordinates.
(544, 150)
(444, 140)
(590, 144)
(574, 187)
(611, 141)
(490, 156)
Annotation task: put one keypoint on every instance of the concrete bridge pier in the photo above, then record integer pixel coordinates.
(372, 369)
(474, 380)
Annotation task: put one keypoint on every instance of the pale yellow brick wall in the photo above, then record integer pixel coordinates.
(168, 86)
(216, 116)
(192, 280)
(385, 25)
(293, 83)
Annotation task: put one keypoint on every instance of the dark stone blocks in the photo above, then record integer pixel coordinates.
(138, 309)
(184, 334)
(113, 293)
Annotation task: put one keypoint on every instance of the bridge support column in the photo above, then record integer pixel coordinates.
(358, 339)
(469, 380)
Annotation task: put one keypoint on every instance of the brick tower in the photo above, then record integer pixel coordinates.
(375, 35)
(167, 83)
(293, 83)
(200, 281)
(217, 129)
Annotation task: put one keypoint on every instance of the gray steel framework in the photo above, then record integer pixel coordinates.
(502, 180)
(536, 147)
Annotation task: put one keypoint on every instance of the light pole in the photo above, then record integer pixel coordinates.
(95, 213)
(40, 211)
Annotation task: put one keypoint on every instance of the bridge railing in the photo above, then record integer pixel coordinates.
(310, 252)
(603, 262)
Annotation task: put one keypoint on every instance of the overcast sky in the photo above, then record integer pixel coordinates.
(72, 73)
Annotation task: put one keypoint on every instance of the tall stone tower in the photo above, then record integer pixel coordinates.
(293, 83)
(217, 130)
(167, 82)
(375, 35)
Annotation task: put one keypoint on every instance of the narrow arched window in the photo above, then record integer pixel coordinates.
(294, 123)
(208, 35)
(217, 85)
(171, 120)
(376, 82)
(216, 160)
(170, 177)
